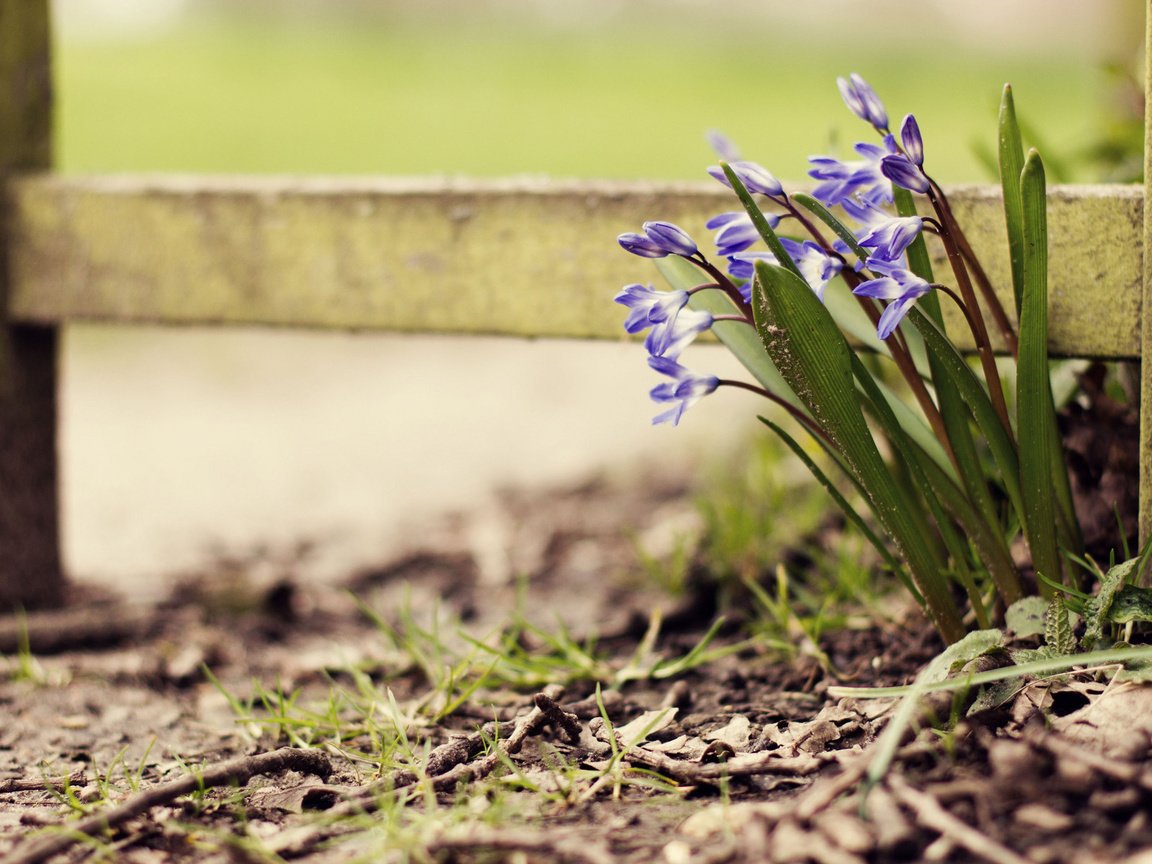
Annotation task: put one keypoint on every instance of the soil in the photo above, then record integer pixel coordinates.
(744, 758)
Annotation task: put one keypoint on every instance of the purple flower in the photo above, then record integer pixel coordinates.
(670, 238)
(722, 146)
(659, 240)
(685, 389)
(736, 231)
(863, 179)
(904, 173)
(888, 238)
(910, 137)
(672, 335)
(642, 245)
(756, 178)
(816, 266)
(649, 306)
(896, 284)
(862, 101)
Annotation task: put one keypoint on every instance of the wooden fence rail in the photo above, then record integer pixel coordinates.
(515, 258)
(518, 259)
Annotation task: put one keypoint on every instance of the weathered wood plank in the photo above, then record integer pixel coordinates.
(1146, 331)
(519, 258)
(30, 573)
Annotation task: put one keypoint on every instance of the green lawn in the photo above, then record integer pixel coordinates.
(622, 101)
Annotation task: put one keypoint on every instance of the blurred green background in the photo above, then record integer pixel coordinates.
(182, 441)
(575, 89)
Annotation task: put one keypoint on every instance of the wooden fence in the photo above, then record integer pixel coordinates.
(530, 260)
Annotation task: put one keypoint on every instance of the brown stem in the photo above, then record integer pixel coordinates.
(798, 415)
(724, 284)
(808, 224)
(236, 771)
(989, 294)
(976, 321)
(999, 314)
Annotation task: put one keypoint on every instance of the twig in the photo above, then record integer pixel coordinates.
(89, 626)
(447, 767)
(930, 814)
(748, 765)
(546, 844)
(1117, 769)
(825, 792)
(237, 771)
(22, 784)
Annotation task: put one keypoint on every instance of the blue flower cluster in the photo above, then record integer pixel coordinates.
(862, 188)
(673, 325)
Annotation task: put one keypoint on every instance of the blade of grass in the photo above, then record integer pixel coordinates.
(930, 679)
(845, 506)
(1047, 666)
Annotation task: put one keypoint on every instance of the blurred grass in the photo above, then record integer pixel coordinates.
(631, 100)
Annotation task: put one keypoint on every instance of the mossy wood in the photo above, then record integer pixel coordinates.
(514, 258)
(1146, 317)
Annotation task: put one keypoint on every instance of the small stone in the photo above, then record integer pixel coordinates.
(849, 834)
(1126, 799)
(677, 852)
(1043, 817)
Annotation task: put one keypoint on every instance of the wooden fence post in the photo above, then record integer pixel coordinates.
(30, 572)
(1146, 306)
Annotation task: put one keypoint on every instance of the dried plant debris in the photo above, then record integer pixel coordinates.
(379, 725)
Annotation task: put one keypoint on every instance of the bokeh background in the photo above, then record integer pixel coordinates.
(180, 444)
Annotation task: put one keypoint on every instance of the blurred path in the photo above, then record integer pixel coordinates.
(178, 442)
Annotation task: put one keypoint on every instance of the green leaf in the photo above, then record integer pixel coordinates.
(1011, 164)
(949, 400)
(1041, 667)
(953, 368)
(1098, 610)
(1035, 418)
(987, 539)
(1057, 628)
(915, 426)
(814, 357)
(937, 490)
(1026, 617)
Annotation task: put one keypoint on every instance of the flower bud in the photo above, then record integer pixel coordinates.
(901, 171)
(910, 137)
(862, 101)
(756, 178)
(671, 238)
(642, 245)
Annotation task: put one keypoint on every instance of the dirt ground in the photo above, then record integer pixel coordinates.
(743, 758)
